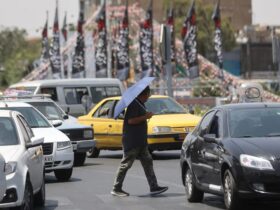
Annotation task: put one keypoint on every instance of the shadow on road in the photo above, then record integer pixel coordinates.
(218, 202)
(49, 179)
(163, 195)
(49, 205)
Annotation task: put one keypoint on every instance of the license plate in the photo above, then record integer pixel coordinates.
(48, 158)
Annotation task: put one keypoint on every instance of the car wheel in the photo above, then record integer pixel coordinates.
(27, 203)
(93, 153)
(79, 159)
(40, 196)
(230, 192)
(63, 174)
(192, 192)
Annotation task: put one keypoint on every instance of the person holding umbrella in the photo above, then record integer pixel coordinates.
(135, 143)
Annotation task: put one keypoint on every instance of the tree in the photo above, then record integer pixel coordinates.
(17, 55)
(205, 25)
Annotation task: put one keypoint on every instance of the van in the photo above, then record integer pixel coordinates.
(68, 93)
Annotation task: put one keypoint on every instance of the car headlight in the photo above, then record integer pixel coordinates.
(10, 167)
(161, 129)
(255, 162)
(88, 134)
(63, 145)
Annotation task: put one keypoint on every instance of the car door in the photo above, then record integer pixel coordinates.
(2, 178)
(200, 165)
(102, 122)
(115, 128)
(32, 155)
(212, 151)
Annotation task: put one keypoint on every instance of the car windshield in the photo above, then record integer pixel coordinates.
(164, 106)
(32, 116)
(8, 133)
(49, 110)
(254, 122)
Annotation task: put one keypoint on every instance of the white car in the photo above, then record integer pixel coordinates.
(57, 148)
(2, 178)
(24, 162)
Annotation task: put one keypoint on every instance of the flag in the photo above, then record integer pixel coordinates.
(64, 28)
(146, 43)
(78, 63)
(64, 33)
(170, 23)
(216, 17)
(189, 38)
(101, 47)
(45, 44)
(122, 55)
(55, 48)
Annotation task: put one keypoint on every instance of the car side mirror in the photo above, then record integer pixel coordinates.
(210, 138)
(56, 123)
(35, 141)
(65, 117)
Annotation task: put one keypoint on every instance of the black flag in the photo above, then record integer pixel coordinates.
(78, 64)
(170, 23)
(64, 28)
(189, 37)
(218, 37)
(45, 56)
(123, 48)
(146, 43)
(55, 48)
(101, 47)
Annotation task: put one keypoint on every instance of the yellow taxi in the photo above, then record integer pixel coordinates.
(166, 129)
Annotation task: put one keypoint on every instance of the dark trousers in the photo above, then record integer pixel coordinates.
(146, 160)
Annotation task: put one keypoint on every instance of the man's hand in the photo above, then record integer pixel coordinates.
(148, 115)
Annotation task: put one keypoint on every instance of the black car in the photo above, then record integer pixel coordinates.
(234, 152)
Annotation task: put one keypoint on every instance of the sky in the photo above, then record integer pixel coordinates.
(31, 14)
(266, 12)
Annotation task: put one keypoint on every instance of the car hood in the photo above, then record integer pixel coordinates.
(261, 146)
(10, 153)
(50, 134)
(174, 120)
(71, 125)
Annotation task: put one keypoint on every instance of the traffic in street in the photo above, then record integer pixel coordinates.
(90, 186)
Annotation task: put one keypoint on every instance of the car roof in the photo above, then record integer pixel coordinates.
(13, 104)
(152, 96)
(6, 113)
(247, 105)
(75, 81)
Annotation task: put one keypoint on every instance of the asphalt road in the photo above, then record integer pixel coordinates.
(91, 184)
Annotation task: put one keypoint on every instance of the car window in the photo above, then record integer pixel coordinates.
(32, 116)
(51, 91)
(215, 127)
(74, 95)
(8, 132)
(113, 91)
(97, 94)
(254, 122)
(49, 110)
(105, 110)
(204, 125)
(28, 134)
(164, 106)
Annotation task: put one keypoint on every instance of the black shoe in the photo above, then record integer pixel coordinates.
(119, 193)
(158, 190)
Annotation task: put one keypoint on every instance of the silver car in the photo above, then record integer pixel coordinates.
(24, 168)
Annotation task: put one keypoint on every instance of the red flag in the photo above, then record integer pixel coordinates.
(64, 27)
(45, 43)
